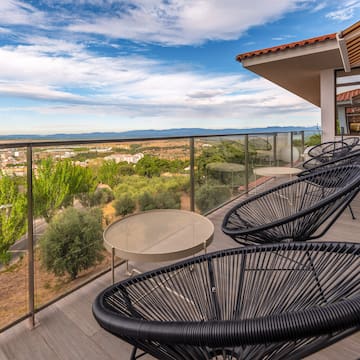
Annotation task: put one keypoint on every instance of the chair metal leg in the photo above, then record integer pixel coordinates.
(352, 213)
(133, 354)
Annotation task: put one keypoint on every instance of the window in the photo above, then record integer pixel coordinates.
(347, 86)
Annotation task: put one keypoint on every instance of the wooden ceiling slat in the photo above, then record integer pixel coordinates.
(353, 52)
(355, 60)
(351, 29)
(352, 37)
(353, 44)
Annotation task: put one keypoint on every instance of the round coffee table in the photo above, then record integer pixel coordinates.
(275, 171)
(158, 235)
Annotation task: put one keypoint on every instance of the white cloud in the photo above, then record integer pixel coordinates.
(37, 92)
(4, 30)
(319, 6)
(344, 12)
(90, 87)
(283, 37)
(185, 22)
(63, 83)
(15, 12)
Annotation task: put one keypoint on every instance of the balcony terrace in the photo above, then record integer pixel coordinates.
(66, 329)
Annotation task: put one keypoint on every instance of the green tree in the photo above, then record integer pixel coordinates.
(314, 139)
(109, 173)
(210, 196)
(225, 151)
(147, 201)
(126, 169)
(13, 206)
(57, 183)
(72, 242)
(81, 180)
(167, 200)
(150, 166)
(49, 189)
(125, 204)
(99, 197)
(160, 200)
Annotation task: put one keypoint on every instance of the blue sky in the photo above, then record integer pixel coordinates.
(112, 65)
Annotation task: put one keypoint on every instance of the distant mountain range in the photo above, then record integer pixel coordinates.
(131, 134)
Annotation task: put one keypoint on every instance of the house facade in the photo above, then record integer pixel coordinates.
(324, 70)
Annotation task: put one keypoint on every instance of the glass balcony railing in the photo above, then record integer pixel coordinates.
(57, 197)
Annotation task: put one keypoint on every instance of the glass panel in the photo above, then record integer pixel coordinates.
(77, 188)
(283, 150)
(220, 170)
(348, 102)
(298, 147)
(267, 152)
(261, 150)
(67, 224)
(13, 245)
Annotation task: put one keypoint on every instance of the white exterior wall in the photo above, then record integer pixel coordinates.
(327, 97)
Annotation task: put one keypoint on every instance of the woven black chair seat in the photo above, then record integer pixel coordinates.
(279, 301)
(314, 163)
(351, 141)
(298, 210)
(330, 149)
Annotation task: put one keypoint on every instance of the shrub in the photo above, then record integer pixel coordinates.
(146, 202)
(72, 242)
(124, 205)
(314, 139)
(160, 200)
(167, 200)
(210, 196)
(102, 196)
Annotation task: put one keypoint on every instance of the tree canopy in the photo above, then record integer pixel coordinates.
(13, 205)
(57, 183)
(73, 241)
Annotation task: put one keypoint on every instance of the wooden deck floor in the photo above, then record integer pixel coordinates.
(67, 330)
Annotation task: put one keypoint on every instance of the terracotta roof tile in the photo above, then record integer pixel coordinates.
(292, 45)
(347, 95)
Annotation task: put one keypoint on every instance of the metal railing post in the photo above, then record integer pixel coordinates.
(247, 163)
(192, 174)
(291, 149)
(112, 265)
(302, 141)
(274, 148)
(30, 237)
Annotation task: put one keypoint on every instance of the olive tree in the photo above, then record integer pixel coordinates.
(209, 197)
(125, 204)
(72, 242)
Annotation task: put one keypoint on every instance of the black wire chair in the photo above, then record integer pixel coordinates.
(330, 149)
(298, 210)
(313, 164)
(352, 141)
(278, 301)
(352, 157)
